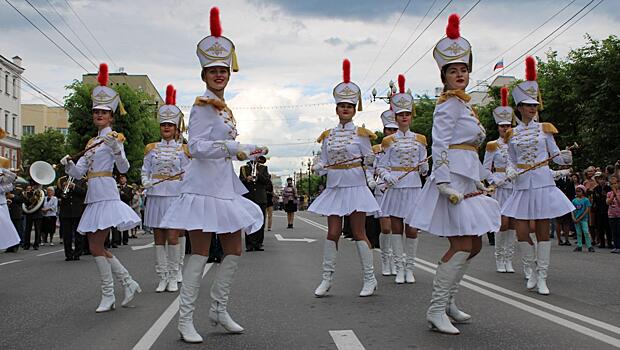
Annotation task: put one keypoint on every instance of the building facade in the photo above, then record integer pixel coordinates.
(138, 82)
(36, 118)
(10, 109)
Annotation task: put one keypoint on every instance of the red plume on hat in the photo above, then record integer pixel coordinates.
(346, 71)
(504, 93)
(174, 97)
(401, 83)
(452, 30)
(214, 22)
(103, 74)
(169, 94)
(530, 68)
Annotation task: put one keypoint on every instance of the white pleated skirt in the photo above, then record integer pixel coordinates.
(209, 214)
(106, 214)
(501, 195)
(342, 201)
(156, 207)
(377, 214)
(399, 202)
(8, 234)
(537, 203)
(435, 214)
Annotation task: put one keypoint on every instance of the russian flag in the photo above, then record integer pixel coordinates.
(499, 65)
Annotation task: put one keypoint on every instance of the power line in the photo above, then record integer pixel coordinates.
(418, 25)
(42, 92)
(91, 33)
(518, 59)
(48, 38)
(72, 30)
(385, 42)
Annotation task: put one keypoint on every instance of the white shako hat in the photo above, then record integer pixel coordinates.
(453, 48)
(170, 113)
(402, 101)
(503, 114)
(388, 118)
(216, 50)
(104, 97)
(348, 91)
(527, 91)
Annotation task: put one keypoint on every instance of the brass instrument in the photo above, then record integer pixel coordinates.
(65, 183)
(42, 173)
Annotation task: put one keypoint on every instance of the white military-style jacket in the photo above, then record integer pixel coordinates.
(162, 160)
(496, 161)
(97, 165)
(349, 147)
(211, 140)
(528, 145)
(457, 134)
(378, 151)
(403, 152)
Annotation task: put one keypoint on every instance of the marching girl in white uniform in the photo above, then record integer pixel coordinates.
(385, 237)
(162, 169)
(496, 161)
(442, 209)
(104, 208)
(211, 200)
(347, 159)
(400, 169)
(8, 234)
(535, 195)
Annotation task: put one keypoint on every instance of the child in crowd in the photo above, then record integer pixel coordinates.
(581, 217)
(613, 212)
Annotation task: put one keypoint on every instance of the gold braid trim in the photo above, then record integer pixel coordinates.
(148, 148)
(203, 101)
(361, 131)
(492, 146)
(549, 128)
(453, 93)
(387, 141)
(421, 139)
(377, 149)
(186, 151)
(324, 134)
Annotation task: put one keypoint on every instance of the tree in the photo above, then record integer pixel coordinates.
(139, 126)
(48, 146)
(315, 182)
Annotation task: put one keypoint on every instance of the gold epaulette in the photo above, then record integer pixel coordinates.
(387, 141)
(119, 136)
(203, 101)
(453, 93)
(149, 147)
(90, 142)
(367, 133)
(421, 139)
(492, 146)
(377, 149)
(549, 128)
(186, 150)
(324, 134)
(508, 135)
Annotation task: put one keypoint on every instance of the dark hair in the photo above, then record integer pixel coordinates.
(289, 179)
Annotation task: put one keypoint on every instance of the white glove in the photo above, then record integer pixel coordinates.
(243, 150)
(390, 179)
(65, 160)
(560, 174)
(259, 151)
(372, 184)
(453, 195)
(567, 157)
(480, 186)
(317, 168)
(146, 183)
(111, 141)
(369, 159)
(423, 170)
(9, 176)
(511, 173)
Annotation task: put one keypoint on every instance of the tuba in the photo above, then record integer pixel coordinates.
(42, 173)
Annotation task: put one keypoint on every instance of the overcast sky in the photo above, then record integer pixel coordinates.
(290, 52)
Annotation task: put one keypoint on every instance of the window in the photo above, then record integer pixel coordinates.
(15, 87)
(6, 83)
(6, 121)
(64, 131)
(28, 129)
(14, 122)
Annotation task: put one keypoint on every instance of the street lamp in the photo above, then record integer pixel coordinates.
(391, 91)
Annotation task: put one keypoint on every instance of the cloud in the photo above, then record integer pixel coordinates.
(334, 41)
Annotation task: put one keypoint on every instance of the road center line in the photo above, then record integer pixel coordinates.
(139, 247)
(48, 253)
(150, 337)
(10, 262)
(346, 340)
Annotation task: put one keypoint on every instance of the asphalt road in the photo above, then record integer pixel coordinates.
(48, 303)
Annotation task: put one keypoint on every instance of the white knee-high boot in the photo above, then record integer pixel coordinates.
(187, 298)
(366, 259)
(131, 287)
(107, 284)
(500, 262)
(329, 267)
(161, 267)
(399, 260)
(445, 276)
(529, 264)
(181, 258)
(543, 254)
(453, 311)
(386, 253)
(509, 249)
(411, 249)
(220, 291)
(173, 268)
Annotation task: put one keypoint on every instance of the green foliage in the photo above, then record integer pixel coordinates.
(423, 121)
(139, 126)
(315, 181)
(48, 146)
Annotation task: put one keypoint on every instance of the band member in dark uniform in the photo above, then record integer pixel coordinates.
(14, 200)
(126, 193)
(255, 176)
(71, 206)
(32, 219)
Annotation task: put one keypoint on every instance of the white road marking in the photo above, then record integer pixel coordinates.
(346, 340)
(313, 223)
(10, 262)
(139, 247)
(556, 319)
(150, 337)
(280, 238)
(48, 253)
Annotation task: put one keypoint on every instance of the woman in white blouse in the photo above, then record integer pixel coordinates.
(50, 212)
